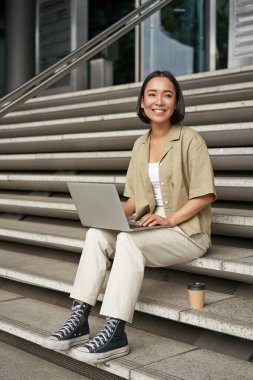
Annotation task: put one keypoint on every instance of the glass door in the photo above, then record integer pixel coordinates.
(119, 57)
(174, 39)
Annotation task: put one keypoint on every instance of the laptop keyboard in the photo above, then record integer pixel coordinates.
(133, 224)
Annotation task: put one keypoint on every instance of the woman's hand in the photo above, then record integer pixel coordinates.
(154, 219)
(191, 208)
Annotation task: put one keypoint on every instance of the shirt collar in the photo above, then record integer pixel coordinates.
(174, 134)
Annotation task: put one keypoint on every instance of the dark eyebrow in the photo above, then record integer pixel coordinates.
(163, 91)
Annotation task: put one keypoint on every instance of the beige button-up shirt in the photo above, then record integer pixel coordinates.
(185, 172)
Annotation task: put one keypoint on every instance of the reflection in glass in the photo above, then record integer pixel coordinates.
(103, 14)
(174, 38)
(222, 33)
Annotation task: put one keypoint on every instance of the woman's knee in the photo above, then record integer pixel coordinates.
(97, 235)
(124, 238)
(127, 248)
(93, 233)
(101, 241)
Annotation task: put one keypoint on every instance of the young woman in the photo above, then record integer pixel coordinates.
(169, 182)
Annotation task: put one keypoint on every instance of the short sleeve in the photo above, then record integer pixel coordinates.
(201, 171)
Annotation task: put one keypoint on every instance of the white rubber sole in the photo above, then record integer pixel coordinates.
(87, 357)
(54, 344)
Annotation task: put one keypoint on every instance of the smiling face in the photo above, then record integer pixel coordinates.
(159, 100)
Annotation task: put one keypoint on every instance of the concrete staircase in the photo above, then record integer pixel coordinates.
(87, 136)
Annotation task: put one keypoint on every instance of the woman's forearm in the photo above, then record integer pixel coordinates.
(189, 210)
(129, 207)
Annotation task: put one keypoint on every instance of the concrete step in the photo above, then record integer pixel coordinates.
(219, 93)
(238, 158)
(151, 356)
(237, 187)
(233, 133)
(232, 158)
(228, 261)
(113, 160)
(197, 82)
(159, 297)
(17, 364)
(234, 220)
(57, 233)
(203, 95)
(120, 140)
(100, 123)
(216, 78)
(57, 182)
(99, 107)
(56, 207)
(109, 92)
(239, 134)
(226, 112)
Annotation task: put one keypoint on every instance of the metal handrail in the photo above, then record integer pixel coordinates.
(73, 55)
(80, 55)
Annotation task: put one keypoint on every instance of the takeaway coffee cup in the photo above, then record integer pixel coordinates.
(196, 295)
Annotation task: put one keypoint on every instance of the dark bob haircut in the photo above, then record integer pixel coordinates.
(179, 112)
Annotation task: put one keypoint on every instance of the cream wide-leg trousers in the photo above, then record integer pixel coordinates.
(132, 251)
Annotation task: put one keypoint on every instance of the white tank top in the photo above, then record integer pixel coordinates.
(153, 170)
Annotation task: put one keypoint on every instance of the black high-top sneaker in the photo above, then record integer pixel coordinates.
(111, 342)
(74, 331)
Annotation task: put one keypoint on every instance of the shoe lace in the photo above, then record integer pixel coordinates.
(71, 323)
(103, 336)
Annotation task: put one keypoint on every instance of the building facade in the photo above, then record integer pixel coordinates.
(186, 36)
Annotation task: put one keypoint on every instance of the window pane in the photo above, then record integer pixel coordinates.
(103, 14)
(174, 38)
(222, 33)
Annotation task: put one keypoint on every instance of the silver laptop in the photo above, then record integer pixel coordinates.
(98, 205)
